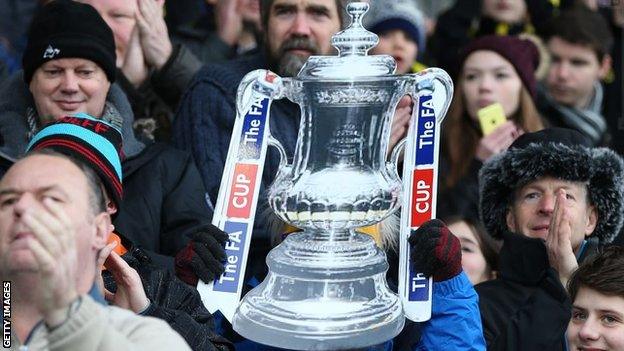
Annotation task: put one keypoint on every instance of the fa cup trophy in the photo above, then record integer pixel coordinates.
(326, 287)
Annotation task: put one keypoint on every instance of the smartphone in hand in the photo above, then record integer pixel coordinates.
(491, 117)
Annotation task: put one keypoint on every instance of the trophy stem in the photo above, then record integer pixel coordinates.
(324, 291)
(332, 235)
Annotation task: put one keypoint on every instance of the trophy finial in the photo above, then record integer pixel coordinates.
(355, 40)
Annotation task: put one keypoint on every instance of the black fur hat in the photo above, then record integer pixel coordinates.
(560, 153)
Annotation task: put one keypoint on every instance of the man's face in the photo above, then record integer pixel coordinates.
(534, 205)
(597, 322)
(67, 86)
(120, 17)
(250, 11)
(298, 29)
(573, 72)
(23, 189)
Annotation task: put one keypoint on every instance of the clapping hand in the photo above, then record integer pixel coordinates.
(153, 33)
(54, 250)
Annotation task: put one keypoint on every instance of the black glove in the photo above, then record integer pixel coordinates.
(434, 250)
(203, 256)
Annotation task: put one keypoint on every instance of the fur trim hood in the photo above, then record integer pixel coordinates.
(601, 168)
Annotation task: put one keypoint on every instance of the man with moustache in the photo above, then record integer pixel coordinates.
(294, 30)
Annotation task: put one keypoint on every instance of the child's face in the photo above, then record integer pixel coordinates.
(597, 322)
(399, 45)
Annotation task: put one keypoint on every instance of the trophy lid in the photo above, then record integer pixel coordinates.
(353, 60)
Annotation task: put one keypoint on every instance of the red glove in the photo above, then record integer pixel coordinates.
(434, 250)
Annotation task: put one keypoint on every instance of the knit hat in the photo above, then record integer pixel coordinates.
(397, 14)
(561, 153)
(69, 29)
(523, 55)
(94, 142)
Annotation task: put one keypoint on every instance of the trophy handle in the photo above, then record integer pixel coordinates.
(396, 153)
(271, 85)
(432, 90)
(283, 164)
(236, 203)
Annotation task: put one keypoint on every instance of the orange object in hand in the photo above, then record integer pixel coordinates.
(119, 249)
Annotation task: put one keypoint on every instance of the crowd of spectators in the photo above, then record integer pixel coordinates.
(115, 122)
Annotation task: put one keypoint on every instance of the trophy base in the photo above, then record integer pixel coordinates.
(322, 295)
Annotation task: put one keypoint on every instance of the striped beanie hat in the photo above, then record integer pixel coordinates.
(90, 140)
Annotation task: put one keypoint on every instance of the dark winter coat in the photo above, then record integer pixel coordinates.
(4, 72)
(614, 88)
(462, 199)
(205, 44)
(204, 123)
(526, 307)
(175, 302)
(154, 101)
(164, 197)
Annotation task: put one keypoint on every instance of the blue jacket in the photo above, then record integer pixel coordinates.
(455, 322)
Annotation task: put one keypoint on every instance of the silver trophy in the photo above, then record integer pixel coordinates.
(326, 287)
